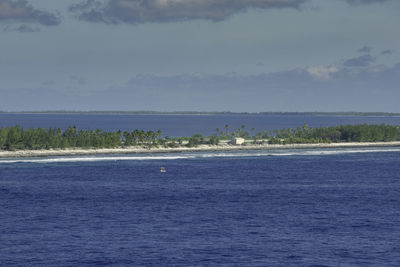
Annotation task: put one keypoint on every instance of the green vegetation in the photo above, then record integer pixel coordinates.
(342, 133)
(301, 135)
(15, 138)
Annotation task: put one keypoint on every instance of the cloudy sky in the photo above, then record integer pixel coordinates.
(200, 55)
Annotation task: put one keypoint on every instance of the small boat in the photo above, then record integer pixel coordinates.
(162, 169)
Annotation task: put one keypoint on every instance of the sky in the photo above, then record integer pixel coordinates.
(200, 55)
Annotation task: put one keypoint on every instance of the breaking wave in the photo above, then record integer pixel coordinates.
(91, 159)
(200, 155)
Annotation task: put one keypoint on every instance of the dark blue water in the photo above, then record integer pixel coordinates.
(184, 125)
(284, 208)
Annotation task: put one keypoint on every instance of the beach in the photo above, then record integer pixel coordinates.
(221, 147)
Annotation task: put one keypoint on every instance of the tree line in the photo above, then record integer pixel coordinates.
(304, 134)
(335, 134)
(13, 138)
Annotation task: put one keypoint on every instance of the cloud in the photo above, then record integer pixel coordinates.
(77, 79)
(22, 11)
(143, 11)
(292, 90)
(322, 72)
(361, 61)
(21, 28)
(27, 28)
(386, 52)
(156, 11)
(365, 49)
(357, 2)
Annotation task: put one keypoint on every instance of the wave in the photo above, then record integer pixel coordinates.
(301, 152)
(91, 159)
(199, 155)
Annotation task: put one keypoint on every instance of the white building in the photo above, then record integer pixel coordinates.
(237, 140)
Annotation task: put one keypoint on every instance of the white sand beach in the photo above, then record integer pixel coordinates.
(221, 147)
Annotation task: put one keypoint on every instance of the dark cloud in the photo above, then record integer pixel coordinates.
(142, 11)
(386, 52)
(361, 61)
(85, 5)
(22, 11)
(357, 2)
(78, 79)
(21, 28)
(27, 28)
(365, 49)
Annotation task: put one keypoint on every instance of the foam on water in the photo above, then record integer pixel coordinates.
(91, 159)
(300, 152)
(199, 155)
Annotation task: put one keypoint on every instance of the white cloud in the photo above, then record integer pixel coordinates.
(322, 72)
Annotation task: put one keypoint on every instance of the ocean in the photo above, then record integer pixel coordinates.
(294, 207)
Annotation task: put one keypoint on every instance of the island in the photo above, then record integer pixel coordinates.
(18, 142)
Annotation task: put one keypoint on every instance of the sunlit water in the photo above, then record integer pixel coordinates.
(306, 207)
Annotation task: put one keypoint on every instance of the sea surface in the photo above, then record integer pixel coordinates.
(184, 125)
(304, 207)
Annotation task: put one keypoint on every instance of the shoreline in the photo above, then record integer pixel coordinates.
(200, 148)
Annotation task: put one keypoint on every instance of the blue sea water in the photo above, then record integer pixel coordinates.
(312, 207)
(184, 125)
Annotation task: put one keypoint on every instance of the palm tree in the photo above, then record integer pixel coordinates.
(253, 130)
(159, 134)
(226, 129)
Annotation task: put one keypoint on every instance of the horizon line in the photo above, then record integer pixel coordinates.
(153, 112)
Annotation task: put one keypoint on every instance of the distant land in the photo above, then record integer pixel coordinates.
(144, 112)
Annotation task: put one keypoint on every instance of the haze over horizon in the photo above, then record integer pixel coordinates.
(200, 55)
